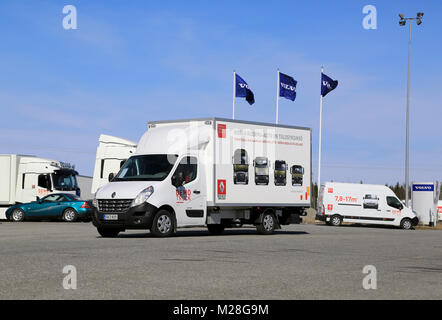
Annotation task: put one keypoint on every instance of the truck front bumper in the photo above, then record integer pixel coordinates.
(137, 217)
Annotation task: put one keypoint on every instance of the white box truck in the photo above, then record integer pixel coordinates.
(112, 152)
(362, 203)
(185, 173)
(26, 178)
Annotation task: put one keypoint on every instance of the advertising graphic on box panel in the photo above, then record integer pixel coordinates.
(270, 163)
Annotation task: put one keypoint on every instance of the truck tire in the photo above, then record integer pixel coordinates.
(163, 224)
(336, 220)
(17, 215)
(108, 232)
(267, 226)
(69, 215)
(406, 224)
(215, 228)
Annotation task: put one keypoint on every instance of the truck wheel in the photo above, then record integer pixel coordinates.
(108, 232)
(268, 224)
(336, 220)
(162, 225)
(69, 215)
(215, 228)
(18, 215)
(406, 224)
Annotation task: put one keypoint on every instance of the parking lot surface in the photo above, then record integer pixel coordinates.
(303, 261)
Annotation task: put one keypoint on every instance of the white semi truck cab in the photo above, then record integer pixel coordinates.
(111, 154)
(27, 178)
(181, 176)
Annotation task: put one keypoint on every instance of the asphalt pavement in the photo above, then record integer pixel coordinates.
(304, 261)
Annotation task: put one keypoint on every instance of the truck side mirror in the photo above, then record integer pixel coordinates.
(177, 180)
(111, 177)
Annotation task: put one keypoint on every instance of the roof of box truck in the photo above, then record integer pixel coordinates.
(229, 120)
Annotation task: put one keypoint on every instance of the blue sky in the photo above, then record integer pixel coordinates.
(130, 62)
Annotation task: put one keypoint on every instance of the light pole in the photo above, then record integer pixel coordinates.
(402, 22)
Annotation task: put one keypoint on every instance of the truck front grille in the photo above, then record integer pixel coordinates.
(111, 205)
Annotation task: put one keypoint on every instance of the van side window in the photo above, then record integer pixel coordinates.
(187, 168)
(394, 202)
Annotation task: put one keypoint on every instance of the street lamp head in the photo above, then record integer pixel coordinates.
(420, 14)
(402, 23)
(418, 21)
(401, 15)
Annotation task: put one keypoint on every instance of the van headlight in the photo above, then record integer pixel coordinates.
(142, 196)
(95, 202)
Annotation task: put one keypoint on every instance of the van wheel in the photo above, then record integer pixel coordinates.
(163, 224)
(18, 215)
(406, 224)
(215, 228)
(69, 215)
(108, 232)
(268, 224)
(336, 220)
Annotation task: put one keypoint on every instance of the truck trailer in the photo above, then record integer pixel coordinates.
(28, 178)
(181, 176)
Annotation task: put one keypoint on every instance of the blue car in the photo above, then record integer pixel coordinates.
(68, 207)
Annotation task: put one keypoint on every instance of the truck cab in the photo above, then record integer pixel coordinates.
(261, 165)
(111, 154)
(280, 173)
(148, 185)
(39, 177)
(297, 173)
(240, 167)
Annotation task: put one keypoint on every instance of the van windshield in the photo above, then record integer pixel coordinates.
(152, 167)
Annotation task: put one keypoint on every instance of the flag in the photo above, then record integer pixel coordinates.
(327, 84)
(242, 90)
(287, 86)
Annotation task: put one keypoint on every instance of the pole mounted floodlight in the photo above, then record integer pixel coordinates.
(403, 22)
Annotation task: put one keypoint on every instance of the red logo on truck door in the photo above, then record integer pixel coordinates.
(221, 130)
(221, 189)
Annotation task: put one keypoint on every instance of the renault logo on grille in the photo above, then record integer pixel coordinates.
(113, 194)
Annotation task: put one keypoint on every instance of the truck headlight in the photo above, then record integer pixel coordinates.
(142, 196)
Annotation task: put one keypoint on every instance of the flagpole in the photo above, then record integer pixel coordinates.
(320, 137)
(234, 94)
(277, 96)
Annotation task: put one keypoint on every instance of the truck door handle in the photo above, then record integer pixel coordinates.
(196, 191)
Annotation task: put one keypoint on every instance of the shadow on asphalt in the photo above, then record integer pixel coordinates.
(202, 233)
(357, 225)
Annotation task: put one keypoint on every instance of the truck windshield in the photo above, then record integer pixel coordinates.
(280, 166)
(153, 167)
(65, 180)
(297, 170)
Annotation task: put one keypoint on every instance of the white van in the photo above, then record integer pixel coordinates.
(362, 203)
